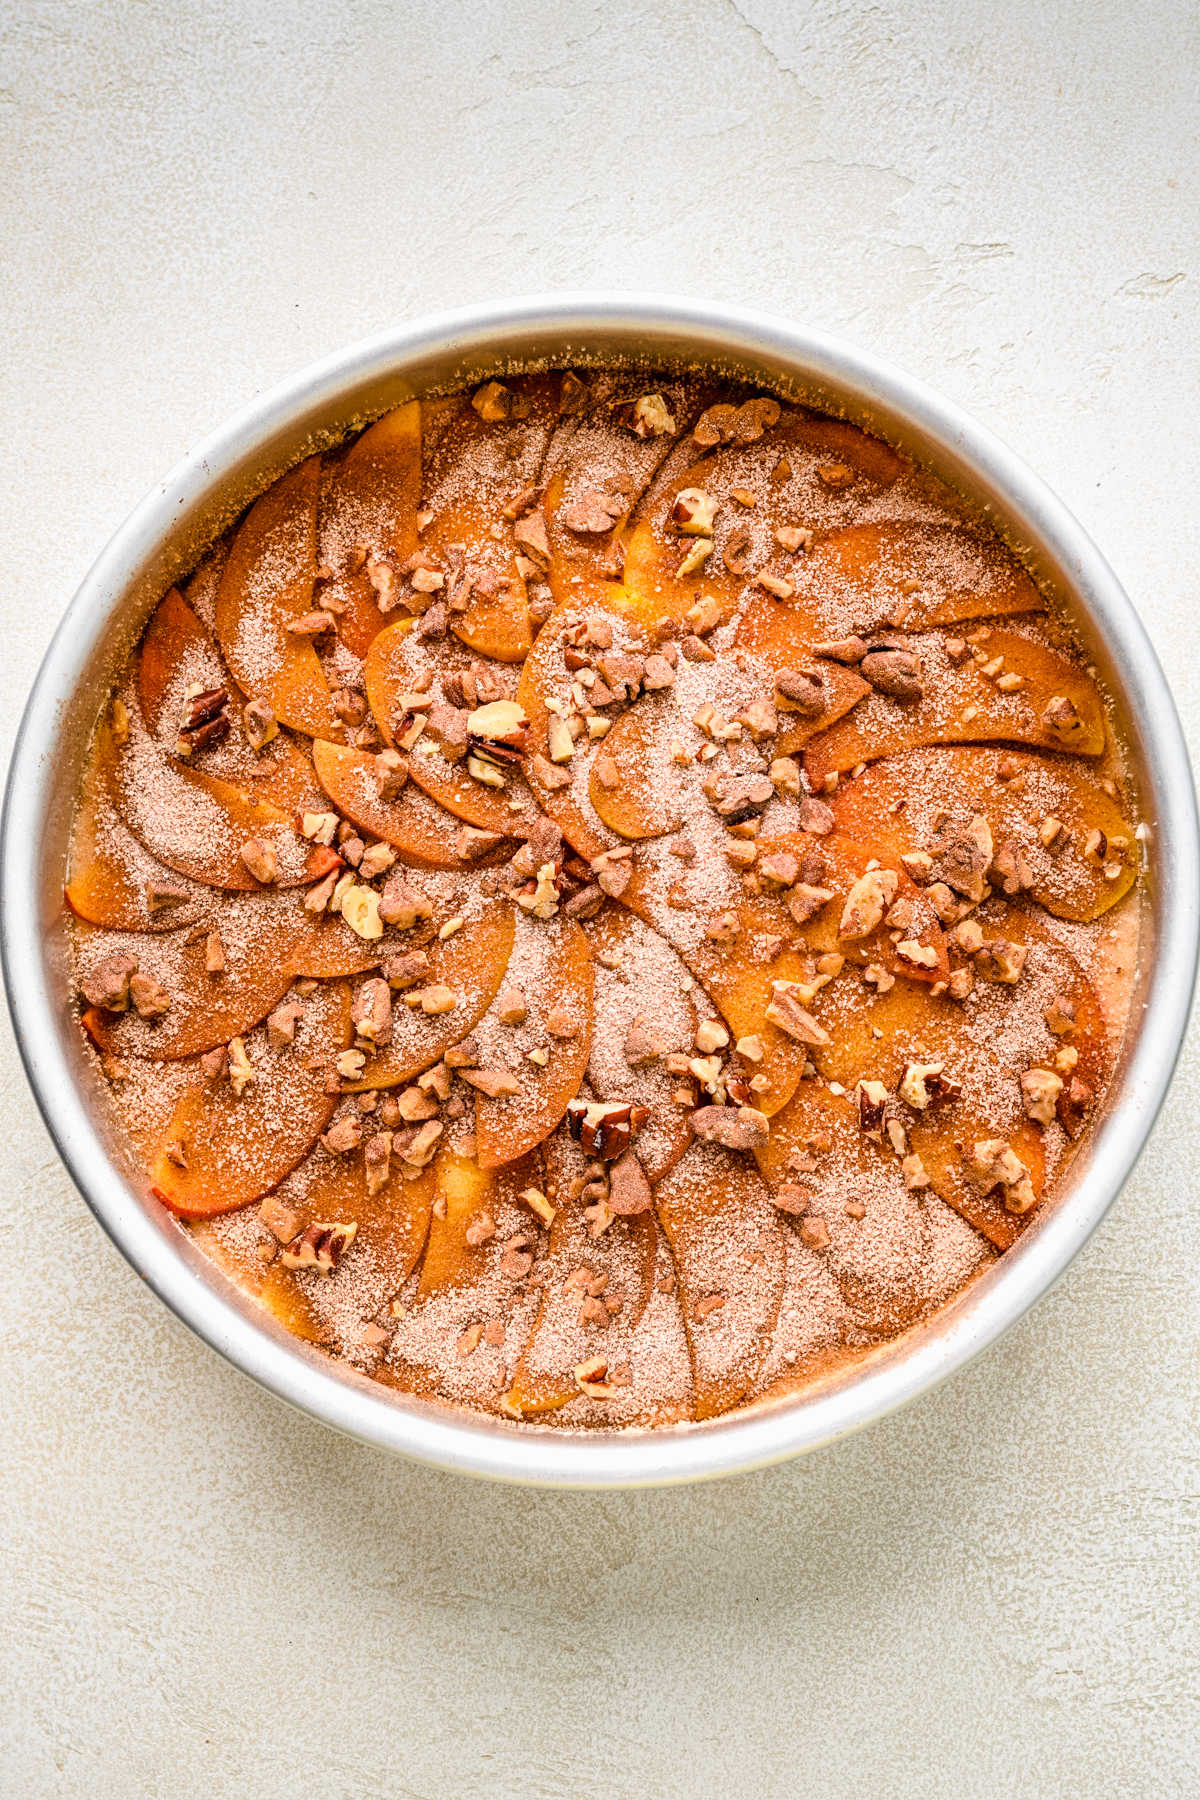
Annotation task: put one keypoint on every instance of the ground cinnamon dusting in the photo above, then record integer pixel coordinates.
(551, 1072)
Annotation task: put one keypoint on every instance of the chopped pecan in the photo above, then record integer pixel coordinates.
(746, 796)
(734, 1127)
(405, 970)
(1010, 870)
(894, 672)
(402, 904)
(1040, 1091)
(151, 1000)
(108, 984)
(1001, 961)
(497, 1084)
(805, 688)
(259, 723)
(867, 902)
(628, 1189)
(923, 1085)
(320, 1247)
(205, 721)
(371, 1011)
(962, 857)
(594, 512)
(1072, 1106)
(282, 1022)
(605, 1128)
(993, 1163)
(261, 860)
(785, 1011)
(873, 1100)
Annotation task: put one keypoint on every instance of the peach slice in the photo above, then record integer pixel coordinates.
(267, 584)
(634, 786)
(714, 1208)
(910, 575)
(775, 480)
(389, 673)
(644, 1012)
(622, 1258)
(551, 965)
(259, 935)
(423, 832)
(370, 506)
(177, 652)
(596, 460)
(111, 877)
(195, 823)
(1089, 864)
(559, 791)
(962, 704)
(841, 862)
(892, 1251)
(439, 1344)
(472, 965)
(233, 1149)
(780, 637)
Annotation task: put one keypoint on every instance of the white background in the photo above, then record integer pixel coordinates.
(994, 1593)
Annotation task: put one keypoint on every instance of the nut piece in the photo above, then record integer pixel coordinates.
(371, 1011)
(510, 1006)
(403, 905)
(360, 909)
(867, 902)
(694, 512)
(628, 1189)
(1001, 961)
(259, 857)
(497, 1084)
(786, 1011)
(605, 1128)
(498, 732)
(1062, 718)
(711, 1035)
(1040, 1089)
(240, 1069)
(734, 1127)
(259, 723)
(321, 1247)
(151, 1000)
(993, 1164)
(281, 1024)
(805, 688)
(493, 402)
(923, 1084)
(650, 416)
(108, 985)
(537, 1203)
(963, 856)
(893, 672)
(1060, 1016)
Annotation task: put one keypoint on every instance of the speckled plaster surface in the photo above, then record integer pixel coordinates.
(994, 1593)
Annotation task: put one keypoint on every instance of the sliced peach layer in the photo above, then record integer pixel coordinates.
(195, 823)
(439, 1345)
(472, 965)
(177, 651)
(259, 935)
(393, 1225)
(235, 1149)
(555, 975)
(645, 1005)
(894, 805)
(421, 830)
(892, 572)
(111, 877)
(729, 1262)
(842, 862)
(268, 584)
(388, 675)
(369, 509)
(962, 704)
(619, 1261)
(780, 637)
(827, 1124)
(771, 481)
(597, 473)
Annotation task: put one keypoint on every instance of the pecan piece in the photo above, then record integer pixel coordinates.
(605, 1129)
(320, 1247)
(733, 1127)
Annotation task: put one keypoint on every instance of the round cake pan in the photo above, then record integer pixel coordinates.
(159, 543)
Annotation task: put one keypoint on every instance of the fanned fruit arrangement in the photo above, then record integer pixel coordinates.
(605, 899)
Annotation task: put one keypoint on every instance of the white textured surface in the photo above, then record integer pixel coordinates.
(994, 1593)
